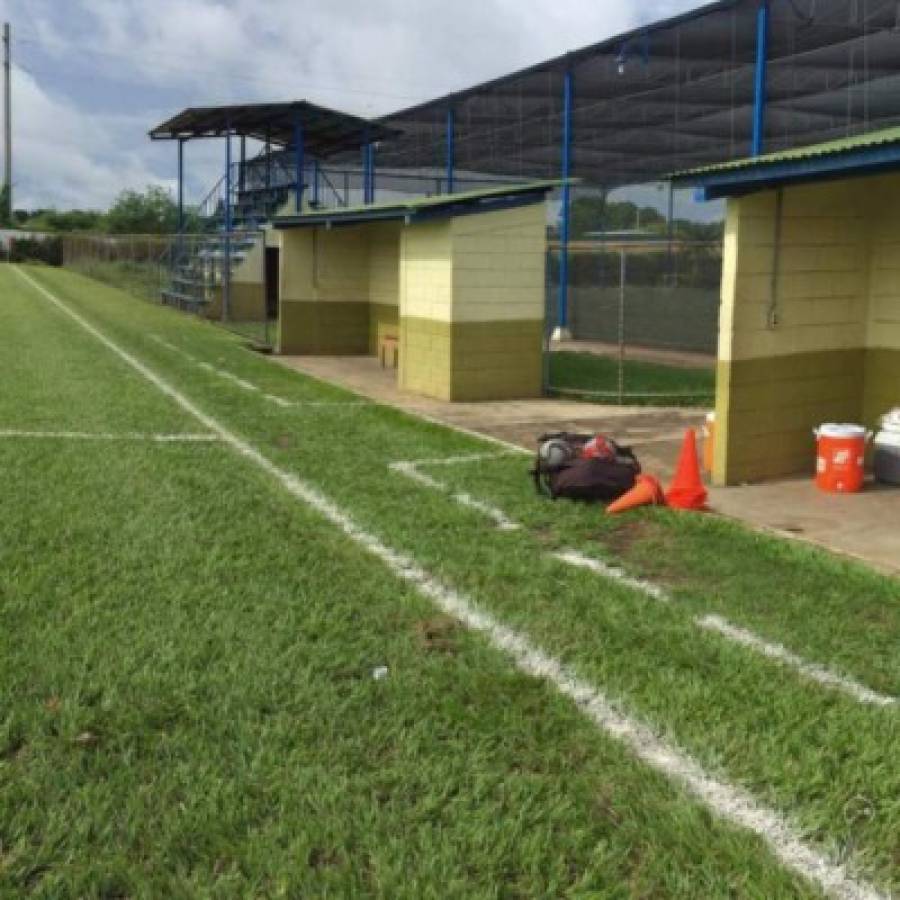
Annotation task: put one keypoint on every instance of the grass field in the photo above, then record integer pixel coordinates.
(596, 378)
(235, 663)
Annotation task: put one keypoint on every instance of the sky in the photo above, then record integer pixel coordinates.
(91, 77)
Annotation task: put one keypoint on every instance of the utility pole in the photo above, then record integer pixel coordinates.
(7, 122)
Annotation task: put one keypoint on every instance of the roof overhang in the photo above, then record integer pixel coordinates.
(764, 175)
(325, 131)
(424, 209)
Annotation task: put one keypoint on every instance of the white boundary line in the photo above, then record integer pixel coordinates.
(248, 385)
(410, 469)
(573, 558)
(777, 651)
(724, 628)
(731, 803)
(108, 436)
(810, 671)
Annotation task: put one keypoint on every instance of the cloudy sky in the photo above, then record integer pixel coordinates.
(92, 76)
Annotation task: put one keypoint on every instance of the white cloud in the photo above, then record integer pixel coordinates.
(105, 71)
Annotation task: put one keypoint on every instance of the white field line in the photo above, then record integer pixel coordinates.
(810, 670)
(729, 802)
(411, 470)
(108, 436)
(248, 385)
(722, 627)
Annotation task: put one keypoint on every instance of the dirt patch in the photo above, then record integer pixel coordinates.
(437, 635)
(623, 538)
(321, 858)
(284, 441)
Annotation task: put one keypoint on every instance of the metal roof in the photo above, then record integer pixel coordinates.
(862, 154)
(325, 131)
(672, 95)
(417, 208)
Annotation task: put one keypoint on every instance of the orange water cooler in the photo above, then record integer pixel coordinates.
(840, 457)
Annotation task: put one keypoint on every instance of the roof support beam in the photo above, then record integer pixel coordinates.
(565, 206)
(759, 91)
(226, 262)
(180, 185)
(450, 136)
(298, 162)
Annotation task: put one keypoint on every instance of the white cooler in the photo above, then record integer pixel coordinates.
(886, 459)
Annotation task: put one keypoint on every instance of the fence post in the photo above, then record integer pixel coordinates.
(623, 275)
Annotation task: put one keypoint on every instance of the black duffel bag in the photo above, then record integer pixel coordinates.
(566, 473)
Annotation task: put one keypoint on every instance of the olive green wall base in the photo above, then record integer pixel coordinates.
(323, 328)
(383, 320)
(470, 361)
(766, 410)
(246, 302)
(882, 387)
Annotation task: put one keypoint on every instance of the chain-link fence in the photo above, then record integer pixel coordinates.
(132, 262)
(641, 322)
(222, 277)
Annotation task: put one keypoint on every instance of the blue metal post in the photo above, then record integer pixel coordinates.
(268, 159)
(565, 210)
(180, 185)
(368, 155)
(451, 148)
(241, 176)
(226, 271)
(298, 163)
(759, 98)
(365, 170)
(315, 184)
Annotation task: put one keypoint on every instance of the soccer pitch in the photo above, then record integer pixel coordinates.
(264, 638)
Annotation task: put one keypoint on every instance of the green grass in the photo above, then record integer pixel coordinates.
(187, 656)
(591, 377)
(142, 279)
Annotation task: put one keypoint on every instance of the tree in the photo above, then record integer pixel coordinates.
(151, 212)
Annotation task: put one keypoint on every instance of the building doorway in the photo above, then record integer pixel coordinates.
(273, 261)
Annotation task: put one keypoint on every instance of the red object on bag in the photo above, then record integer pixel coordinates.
(598, 448)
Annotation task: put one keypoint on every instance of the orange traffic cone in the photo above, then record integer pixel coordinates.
(687, 490)
(647, 491)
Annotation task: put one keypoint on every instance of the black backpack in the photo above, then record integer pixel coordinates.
(597, 479)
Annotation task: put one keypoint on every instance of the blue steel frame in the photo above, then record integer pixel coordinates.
(451, 148)
(226, 274)
(368, 173)
(759, 95)
(298, 163)
(365, 168)
(315, 184)
(180, 185)
(565, 205)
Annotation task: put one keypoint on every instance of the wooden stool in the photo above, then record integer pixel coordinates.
(389, 345)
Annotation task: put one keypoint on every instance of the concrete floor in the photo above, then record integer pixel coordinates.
(864, 526)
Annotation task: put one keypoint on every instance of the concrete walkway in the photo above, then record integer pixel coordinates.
(654, 433)
(863, 526)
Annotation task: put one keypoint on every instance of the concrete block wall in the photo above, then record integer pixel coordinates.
(791, 350)
(384, 283)
(472, 306)
(882, 377)
(819, 341)
(324, 292)
(465, 297)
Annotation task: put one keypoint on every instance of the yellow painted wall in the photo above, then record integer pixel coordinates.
(324, 292)
(472, 305)
(828, 352)
(465, 296)
(498, 266)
